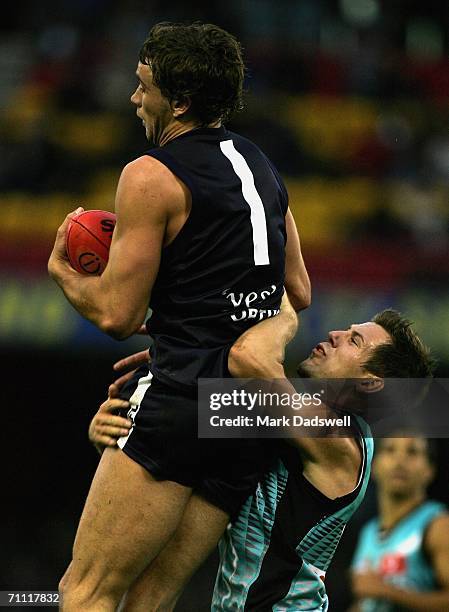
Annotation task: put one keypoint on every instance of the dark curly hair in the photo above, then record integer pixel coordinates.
(199, 61)
(405, 356)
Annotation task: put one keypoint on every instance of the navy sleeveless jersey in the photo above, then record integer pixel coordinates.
(224, 271)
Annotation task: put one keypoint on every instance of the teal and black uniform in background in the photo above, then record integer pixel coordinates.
(399, 554)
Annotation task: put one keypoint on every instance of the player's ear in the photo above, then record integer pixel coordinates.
(370, 385)
(181, 107)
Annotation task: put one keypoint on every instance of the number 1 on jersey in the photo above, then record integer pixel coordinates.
(252, 198)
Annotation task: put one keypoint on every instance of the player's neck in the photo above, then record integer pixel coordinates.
(175, 129)
(392, 508)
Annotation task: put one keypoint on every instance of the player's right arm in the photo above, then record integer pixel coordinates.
(117, 301)
(333, 463)
(260, 351)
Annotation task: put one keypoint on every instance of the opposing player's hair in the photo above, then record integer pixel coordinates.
(199, 61)
(406, 356)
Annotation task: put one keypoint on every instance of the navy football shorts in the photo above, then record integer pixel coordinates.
(164, 440)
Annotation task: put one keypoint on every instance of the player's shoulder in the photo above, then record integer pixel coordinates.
(147, 175)
(146, 169)
(146, 183)
(439, 525)
(436, 536)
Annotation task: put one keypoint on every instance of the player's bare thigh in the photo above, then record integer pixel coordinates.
(127, 519)
(160, 586)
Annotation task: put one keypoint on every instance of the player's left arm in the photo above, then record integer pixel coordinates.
(297, 282)
(117, 301)
(107, 426)
(437, 545)
(371, 585)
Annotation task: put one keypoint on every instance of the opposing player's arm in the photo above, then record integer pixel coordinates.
(371, 585)
(117, 301)
(107, 426)
(297, 282)
(260, 351)
(332, 463)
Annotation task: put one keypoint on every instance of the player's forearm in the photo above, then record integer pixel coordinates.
(87, 296)
(242, 364)
(299, 290)
(433, 601)
(259, 352)
(300, 301)
(297, 282)
(96, 300)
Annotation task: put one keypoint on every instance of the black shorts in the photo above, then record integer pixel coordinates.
(164, 440)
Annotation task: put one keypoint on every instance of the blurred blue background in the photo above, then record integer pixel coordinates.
(349, 98)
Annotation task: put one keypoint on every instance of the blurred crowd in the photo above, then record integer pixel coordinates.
(349, 98)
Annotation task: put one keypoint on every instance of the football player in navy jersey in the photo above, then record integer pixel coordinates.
(402, 557)
(275, 554)
(205, 238)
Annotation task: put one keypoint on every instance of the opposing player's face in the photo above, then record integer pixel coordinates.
(401, 466)
(343, 354)
(151, 107)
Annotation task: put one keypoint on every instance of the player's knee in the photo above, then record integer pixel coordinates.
(81, 597)
(63, 582)
(61, 585)
(87, 594)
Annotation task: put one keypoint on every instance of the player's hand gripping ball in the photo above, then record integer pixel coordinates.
(88, 240)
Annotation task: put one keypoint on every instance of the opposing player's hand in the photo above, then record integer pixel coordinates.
(107, 427)
(58, 256)
(132, 361)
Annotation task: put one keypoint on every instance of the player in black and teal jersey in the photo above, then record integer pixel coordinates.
(274, 556)
(402, 557)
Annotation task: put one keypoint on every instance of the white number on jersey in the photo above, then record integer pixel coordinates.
(252, 197)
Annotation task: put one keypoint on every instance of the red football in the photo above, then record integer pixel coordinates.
(88, 240)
